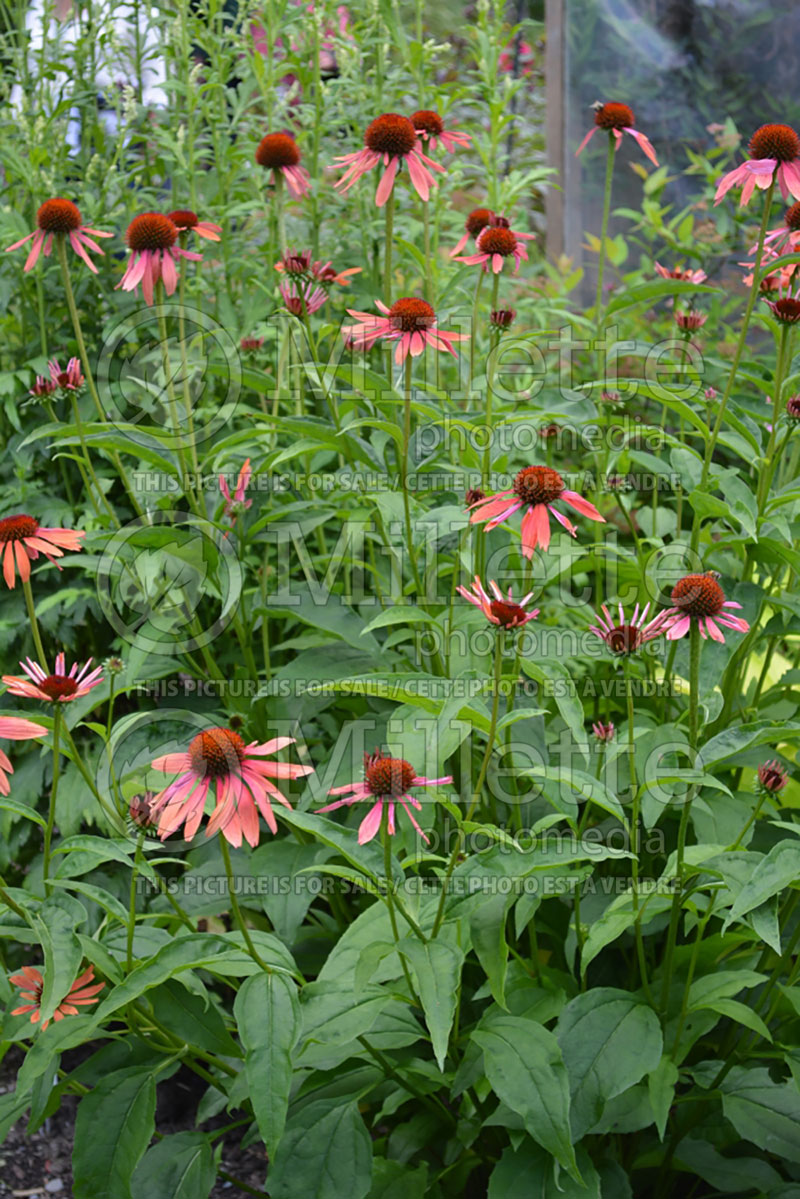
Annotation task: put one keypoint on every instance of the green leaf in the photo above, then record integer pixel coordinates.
(609, 1040)
(661, 1089)
(195, 1021)
(55, 922)
(114, 1125)
(764, 1112)
(487, 926)
(267, 1014)
(738, 1012)
(554, 673)
(777, 870)
(178, 1167)
(400, 614)
(722, 985)
(527, 1172)
(437, 966)
(325, 1153)
(586, 785)
(524, 1065)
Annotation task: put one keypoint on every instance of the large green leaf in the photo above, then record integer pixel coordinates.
(609, 1040)
(777, 870)
(325, 1153)
(268, 1016)
(437, 966)
(178, 1167)
(765, 1112)
(114, 1125)
(524, 1065)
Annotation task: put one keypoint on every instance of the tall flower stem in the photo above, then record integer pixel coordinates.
(88, 475)
(694, 689)
(131, 929)
(635, 843)
(61, 252)
(404, 475)
(187, 398)
(766, 475)
(51, 811)
(476, 795)
(237, 911)
(474, 329)
(598, 303)
(390, 896)
(723, 404)
(387, 255)
(188, 490)
(37, 640)
(279, 196)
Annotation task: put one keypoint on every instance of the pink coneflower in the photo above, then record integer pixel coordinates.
(186, 221)
(298, 264)
(502, 318)
(302, 298)
(618, 119)
(409, 322)
(772, 777)
(386, 781)
(535, 488)
(473, 495)
(627, 636)
(242, 783)
(140, 810)
(517, 58)
(793, 409)
(495, 244)
(58, 687)
(278, 152)
(43, 387)
(80, 994)
(785, 309)
(251, 345)
(787, 234)
(151, 238)
(686, 275)
(60, 218)
(15, 728)
(603, 732)
(700, 598)
(391, 140)
(689, 319)
(237, 503)
(70, 379)
(22, 539)
(430, 128)
(475, 223)
(774, 151)
(503, 610)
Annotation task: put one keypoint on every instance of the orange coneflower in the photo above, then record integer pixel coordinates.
(386, 781)
(80, 994)
(535, 488)
(22, 539)
(392, 140)
(60, 218)
(410, 322)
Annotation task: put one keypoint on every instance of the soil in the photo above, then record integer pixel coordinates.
(40, 1166)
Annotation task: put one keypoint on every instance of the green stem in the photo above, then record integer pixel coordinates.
(172, 401)
(61, 252)
(388, 874)
(131, 929)
(451, 865)
(598, 303)
(723, 404)
(37, 639)
(404, 476)
(387, 258)
(187, 398)
(51, 811)
(694, 687)
(635, 809)
(237, 911)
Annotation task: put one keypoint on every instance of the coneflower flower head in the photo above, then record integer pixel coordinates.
(772, 777)
(774, 154)
(60, 218)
